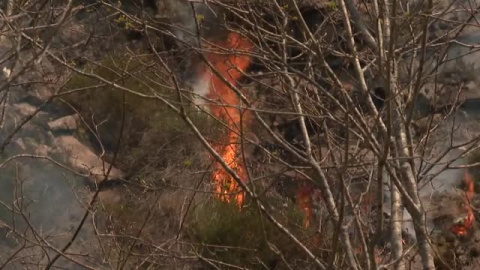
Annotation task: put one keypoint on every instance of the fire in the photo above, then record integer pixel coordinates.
(229, 66)
(305, 202)
(462, 229)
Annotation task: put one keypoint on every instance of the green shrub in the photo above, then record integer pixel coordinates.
(149, 124)
(242, 237)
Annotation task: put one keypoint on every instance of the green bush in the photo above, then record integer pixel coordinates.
(242, 237)
(149, 124)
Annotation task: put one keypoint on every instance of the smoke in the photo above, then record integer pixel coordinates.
(192, 21)
(201, 88)
(51, 198)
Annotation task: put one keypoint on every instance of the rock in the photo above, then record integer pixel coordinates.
(42, 150)
(67, 123)
(24, 109)
(83, 159)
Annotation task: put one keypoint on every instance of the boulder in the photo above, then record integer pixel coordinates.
(84, 160)
(66, 123)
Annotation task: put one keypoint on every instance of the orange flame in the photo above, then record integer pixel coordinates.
(224, 105)
(462, 229)
(305, 202)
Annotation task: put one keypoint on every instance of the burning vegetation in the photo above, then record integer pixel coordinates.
(227, 62)
(338, 139)
(464, 225)
(456, 233)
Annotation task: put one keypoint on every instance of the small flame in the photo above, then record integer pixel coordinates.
(463, 228)
(305, 202)
(224, 105)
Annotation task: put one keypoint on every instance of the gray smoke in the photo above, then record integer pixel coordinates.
(191, 21)
(52, 199)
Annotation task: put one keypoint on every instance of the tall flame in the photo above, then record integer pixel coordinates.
(462, 229)
(305, 202)
(225, 105)
(230, 67)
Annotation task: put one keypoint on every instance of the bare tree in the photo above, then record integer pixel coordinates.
(240, 134)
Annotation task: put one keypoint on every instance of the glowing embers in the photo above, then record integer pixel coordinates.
(228, 64)
(463, 227)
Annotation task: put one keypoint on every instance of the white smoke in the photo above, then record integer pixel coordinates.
(192, 21)
(6, 72)
(201, 88)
